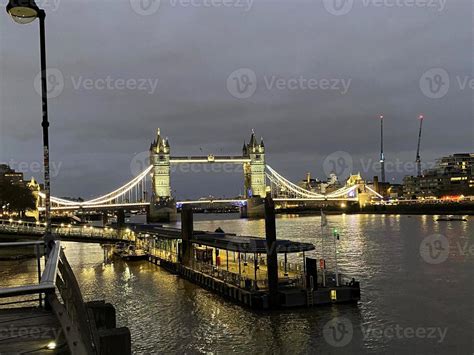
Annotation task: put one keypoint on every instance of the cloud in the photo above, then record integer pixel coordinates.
(192, 50)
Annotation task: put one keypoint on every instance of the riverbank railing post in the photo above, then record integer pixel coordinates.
(38, 266)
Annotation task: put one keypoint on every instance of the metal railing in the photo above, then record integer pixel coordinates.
(243, 281)
(57, 278)
(46, 280)
(71, 231)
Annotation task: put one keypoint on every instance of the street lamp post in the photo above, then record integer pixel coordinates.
(24, 12)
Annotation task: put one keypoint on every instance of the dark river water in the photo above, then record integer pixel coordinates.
(415, 300)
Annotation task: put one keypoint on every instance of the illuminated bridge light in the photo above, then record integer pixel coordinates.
(129, 192)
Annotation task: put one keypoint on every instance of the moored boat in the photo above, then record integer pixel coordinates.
(451, 219)
(133, 253)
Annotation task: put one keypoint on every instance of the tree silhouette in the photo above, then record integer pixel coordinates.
(18, 197)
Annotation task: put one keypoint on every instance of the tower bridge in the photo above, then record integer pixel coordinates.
(163, 206)
(258, 179)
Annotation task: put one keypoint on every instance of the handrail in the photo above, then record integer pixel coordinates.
(48, 278)
(19, 244)
(51, 268)
(25, 290)
(76, 321)
(88, 232)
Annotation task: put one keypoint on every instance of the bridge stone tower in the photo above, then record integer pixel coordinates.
(254, 177)
(254, 171)
(160, 159)
(163, 206)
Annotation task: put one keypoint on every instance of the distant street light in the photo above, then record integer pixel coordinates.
(23, 12)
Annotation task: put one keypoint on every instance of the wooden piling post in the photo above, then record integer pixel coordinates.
(186, 233)
(272, 259)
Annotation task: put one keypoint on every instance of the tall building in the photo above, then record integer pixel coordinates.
(9, 175)
(453, 175)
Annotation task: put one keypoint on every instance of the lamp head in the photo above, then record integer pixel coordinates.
(23, 11)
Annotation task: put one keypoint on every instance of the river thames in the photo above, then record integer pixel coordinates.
(410, 300)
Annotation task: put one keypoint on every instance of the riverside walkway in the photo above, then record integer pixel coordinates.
(17, 229)
(50, 315)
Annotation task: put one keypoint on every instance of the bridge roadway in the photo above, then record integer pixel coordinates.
(209, 159)
(139, 205)
(100, 207)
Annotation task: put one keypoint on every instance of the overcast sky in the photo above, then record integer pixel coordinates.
(310, 76)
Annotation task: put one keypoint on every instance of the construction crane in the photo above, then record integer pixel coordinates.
(418, 159)
(382, 157)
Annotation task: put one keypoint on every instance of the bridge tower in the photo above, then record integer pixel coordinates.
(254, 177)
(254, 171)
(163, 206)
(160, 159)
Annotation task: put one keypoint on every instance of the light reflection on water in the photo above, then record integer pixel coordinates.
(169, 315)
